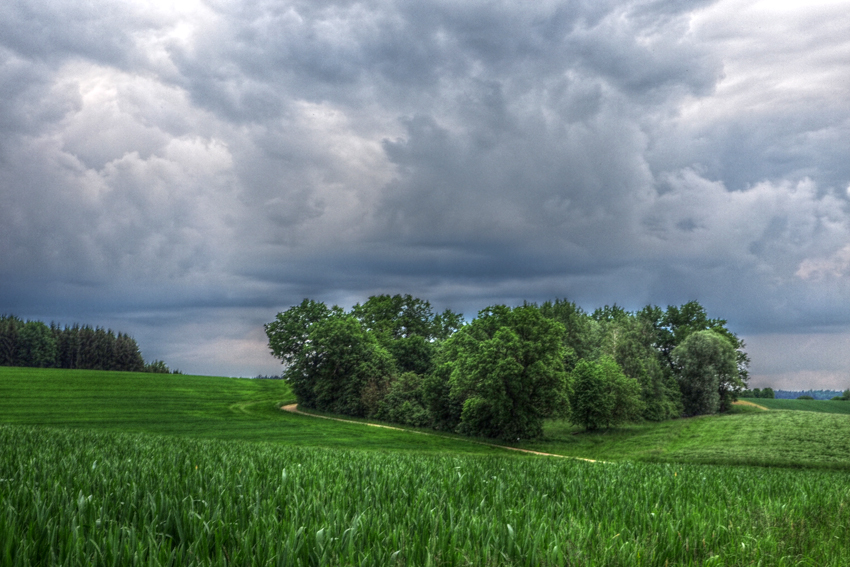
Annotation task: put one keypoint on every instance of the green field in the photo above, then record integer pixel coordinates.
(189, 406)
(819, 406)
(91, 498)
(101, 468)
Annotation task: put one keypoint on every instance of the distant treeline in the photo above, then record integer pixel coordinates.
(35, 344)
(764, 393)
(501, 374)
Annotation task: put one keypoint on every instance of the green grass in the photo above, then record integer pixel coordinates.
(190, 406)
(77, 497)
(820, 406)
(105, 468)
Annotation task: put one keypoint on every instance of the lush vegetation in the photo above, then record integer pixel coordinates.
(93, 498)
(504, 373)
(34, 344)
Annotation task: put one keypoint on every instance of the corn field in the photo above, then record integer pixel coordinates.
(85, 498)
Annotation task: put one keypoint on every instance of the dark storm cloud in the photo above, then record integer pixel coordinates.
(199, 167)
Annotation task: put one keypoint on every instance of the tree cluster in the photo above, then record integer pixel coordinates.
(35, 344)
(503, 373)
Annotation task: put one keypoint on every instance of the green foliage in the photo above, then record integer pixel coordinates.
(630, 341)
(804, 397)
(766, 393)
(158, 367)
(407, 327)
(707, 372)
(349, 371)
(602, 396)
(582, 332)
(36, 346)
(404, 402)
(477, 378)
(508, 373)
(590, 404)
(412, 354)
(9, 331)
(290, 331)
(675, 324)
(392, 317)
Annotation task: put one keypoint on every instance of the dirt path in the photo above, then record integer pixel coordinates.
(746, 403)
(293, 408)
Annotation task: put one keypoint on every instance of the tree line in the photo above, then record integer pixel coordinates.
(763, 393)
(35, 344)
(501, 374)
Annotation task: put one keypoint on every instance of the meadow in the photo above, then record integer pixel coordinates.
(101, 468)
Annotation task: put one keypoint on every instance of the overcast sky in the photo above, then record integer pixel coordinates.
(182, 173)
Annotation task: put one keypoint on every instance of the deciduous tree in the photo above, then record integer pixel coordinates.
(509, 373)
(706, 369)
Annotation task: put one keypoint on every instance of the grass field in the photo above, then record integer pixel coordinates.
(819, 406)
(190, 406)
(102, 468)
(77, 497)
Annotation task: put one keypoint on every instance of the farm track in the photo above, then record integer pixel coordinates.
(746, 403)
(293, 408)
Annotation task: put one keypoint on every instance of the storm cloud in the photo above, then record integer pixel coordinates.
(184, 173)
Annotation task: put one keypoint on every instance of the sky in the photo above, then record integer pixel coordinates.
(184, 171)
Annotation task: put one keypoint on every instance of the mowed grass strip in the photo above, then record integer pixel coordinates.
(190, 406)
(72, 497)
(819, 406)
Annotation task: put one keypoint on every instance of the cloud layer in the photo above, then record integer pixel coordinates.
(183, 173)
